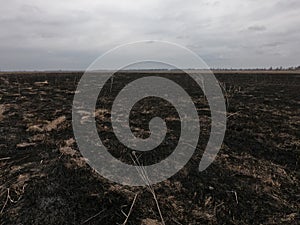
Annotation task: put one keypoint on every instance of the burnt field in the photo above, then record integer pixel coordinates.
(255, 178)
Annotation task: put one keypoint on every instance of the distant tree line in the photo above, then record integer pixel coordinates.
(280, 68)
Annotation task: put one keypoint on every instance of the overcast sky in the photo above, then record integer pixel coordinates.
(71, 34)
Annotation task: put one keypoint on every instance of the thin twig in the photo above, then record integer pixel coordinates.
(89, 219)
(7, 198)
(111, 83)
(236, 197)
(143, 173)
(130, 210)
(232, 114)
(215, 209)
(158, 208)
(14, 201)
(6, 158)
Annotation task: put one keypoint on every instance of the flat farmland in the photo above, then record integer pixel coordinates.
(255, 178)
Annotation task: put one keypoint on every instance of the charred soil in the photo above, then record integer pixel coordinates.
(254, 180)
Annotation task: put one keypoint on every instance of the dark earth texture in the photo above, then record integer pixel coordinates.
(254, 180)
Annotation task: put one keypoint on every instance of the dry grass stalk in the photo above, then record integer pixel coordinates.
(130, 210)
(54, 124)
(143, 174)
(89, 219)
(6, 201)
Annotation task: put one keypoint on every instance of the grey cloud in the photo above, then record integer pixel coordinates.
(273, 44)
(257, 28)
(233, 33)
